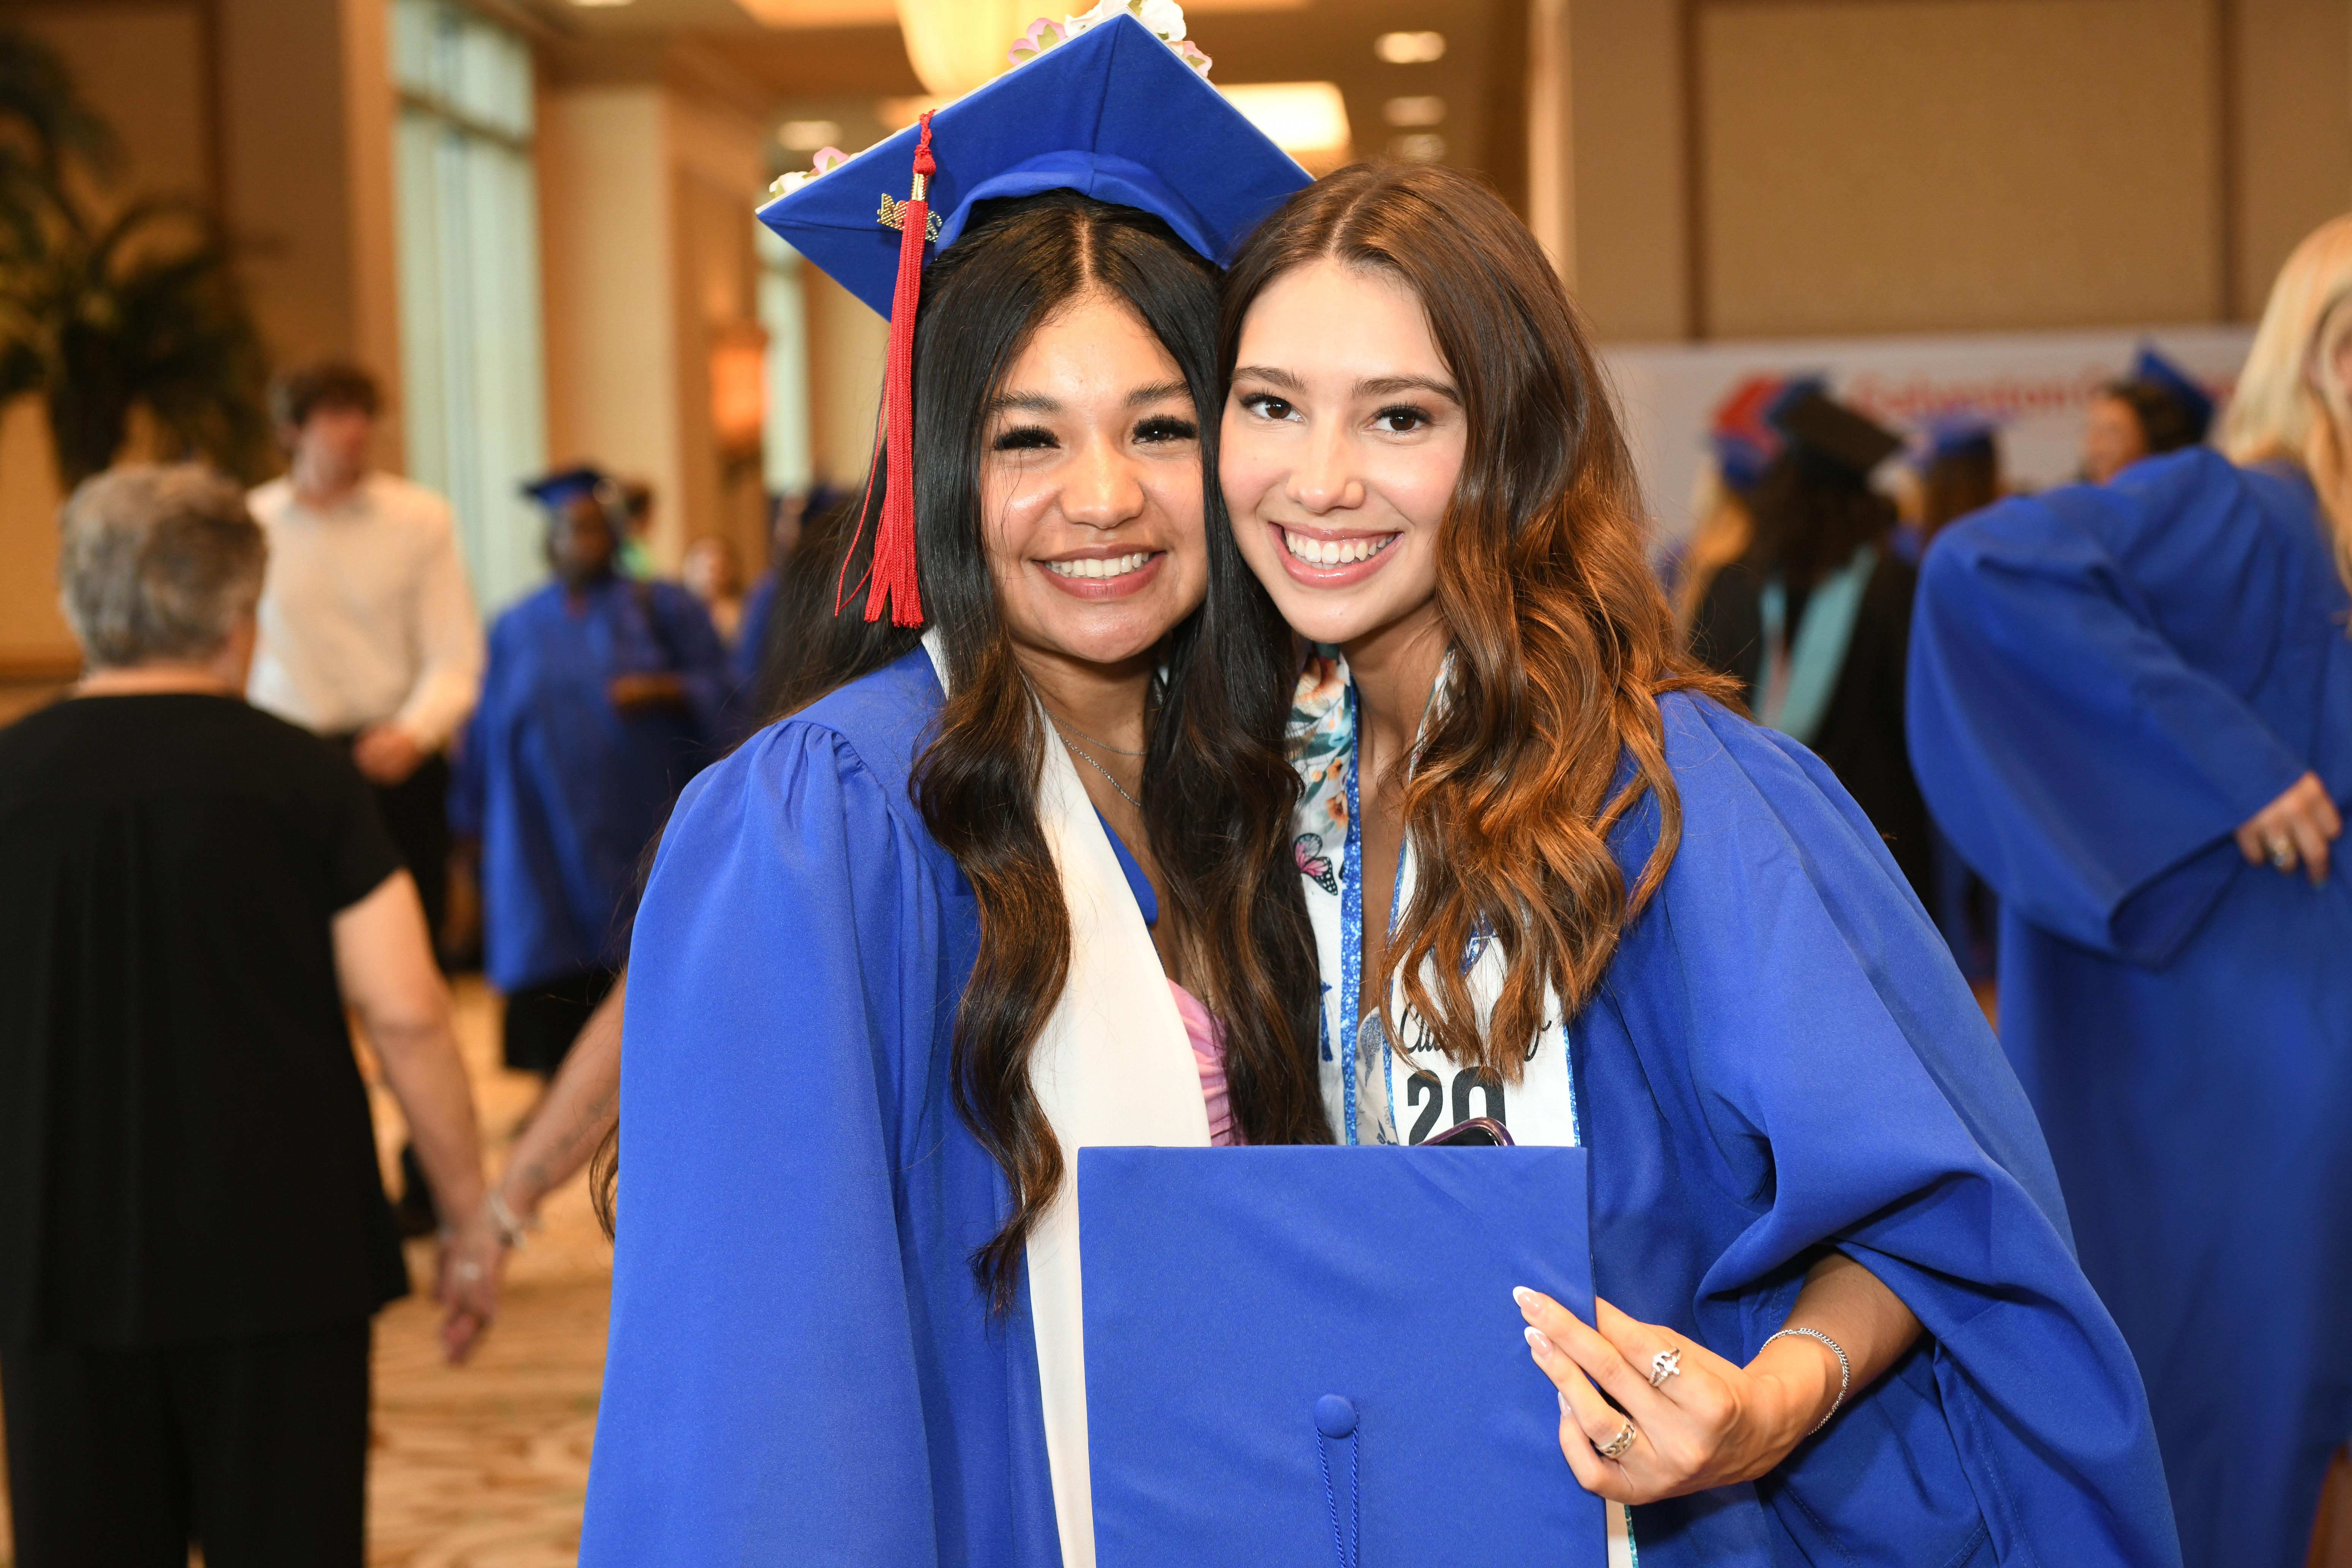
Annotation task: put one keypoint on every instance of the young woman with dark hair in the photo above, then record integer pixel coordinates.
(1555, 880)
(1010, 879)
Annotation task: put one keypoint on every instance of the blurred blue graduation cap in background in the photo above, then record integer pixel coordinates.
(1112, 113)
(558, 490)
(1287, 1344)
(2153, 369)
(1955, 433)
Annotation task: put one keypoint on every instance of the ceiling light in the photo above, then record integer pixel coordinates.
(599, 4)
(808, 135)
(823, 13)
(1425, 110)
(1410, 49)
(1300, 117)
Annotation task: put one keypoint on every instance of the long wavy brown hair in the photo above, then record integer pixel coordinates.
(1218, 791)
(1548, 735)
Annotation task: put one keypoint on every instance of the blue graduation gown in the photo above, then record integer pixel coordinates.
(801, 1367)
(2105, 683)
(1782, 1056)
(564, 790)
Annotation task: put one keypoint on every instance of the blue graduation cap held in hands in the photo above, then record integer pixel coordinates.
(1310, 1355)
(1112, 113)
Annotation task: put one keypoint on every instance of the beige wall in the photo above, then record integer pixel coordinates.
(250, 105)
(647, 197)
(1767, 167)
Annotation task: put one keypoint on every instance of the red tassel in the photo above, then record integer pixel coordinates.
(893, 573)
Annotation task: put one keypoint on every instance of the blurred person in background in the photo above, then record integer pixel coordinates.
(634, 520)
(713, 574)
(2128, 705)
(368, 631)
(604, 695)
(1814, 619)
(194, 1236)
(1958, 471)
(1743, 447)
(2158, 409)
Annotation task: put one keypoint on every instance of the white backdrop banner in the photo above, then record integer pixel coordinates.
(2034, 383)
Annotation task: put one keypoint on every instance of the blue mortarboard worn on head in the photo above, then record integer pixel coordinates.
(1955, 433)
(1311, 1355)
(1113, 113)
(1744, 443)
(559, 488)
(2178, 385)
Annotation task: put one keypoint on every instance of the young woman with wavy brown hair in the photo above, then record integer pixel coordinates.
(1011, 877)
(1556, 881)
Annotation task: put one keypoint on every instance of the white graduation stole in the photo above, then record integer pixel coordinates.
(1113, 1066)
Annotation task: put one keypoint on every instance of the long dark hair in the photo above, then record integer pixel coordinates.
(1561, 638)
(1218, 791)
(1812, 515)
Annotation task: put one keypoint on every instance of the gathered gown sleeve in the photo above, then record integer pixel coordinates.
(1792, 1007)
(2081, 760)
(763, 1399)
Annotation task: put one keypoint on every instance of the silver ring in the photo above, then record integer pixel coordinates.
(1616, 1447)
(1666, 1364)
(2283, 854)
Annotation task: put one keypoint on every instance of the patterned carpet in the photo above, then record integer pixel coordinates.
(486, 1465)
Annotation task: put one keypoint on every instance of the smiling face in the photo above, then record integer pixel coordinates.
(1091, 489)
(1343, 437)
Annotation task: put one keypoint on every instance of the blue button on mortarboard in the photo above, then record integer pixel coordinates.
(1334, 1416)
(1113, 114)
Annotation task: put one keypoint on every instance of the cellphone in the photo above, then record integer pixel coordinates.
(1478, 1133)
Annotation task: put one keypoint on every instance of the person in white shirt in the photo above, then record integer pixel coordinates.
(369, 634)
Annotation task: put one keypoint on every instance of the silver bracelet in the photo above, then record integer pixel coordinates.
(1845, 1367)
(513, 1231)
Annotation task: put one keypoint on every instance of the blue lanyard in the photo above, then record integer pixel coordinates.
(1351, 923)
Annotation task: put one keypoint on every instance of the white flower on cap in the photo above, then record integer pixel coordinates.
(1163, 18)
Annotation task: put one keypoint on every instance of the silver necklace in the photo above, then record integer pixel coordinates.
(1078, 750)
(1068, 729)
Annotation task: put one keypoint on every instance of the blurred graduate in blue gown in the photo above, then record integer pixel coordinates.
(962, 911)
(2132, 710)
(603, 695)
(1555, 882)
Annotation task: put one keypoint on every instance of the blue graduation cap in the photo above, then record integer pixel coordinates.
(559, 489)
(2177, 383)
(1955, 433)
(1294, 1353)
(1112, 113)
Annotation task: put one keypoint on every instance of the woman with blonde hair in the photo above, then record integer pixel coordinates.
(2131, 708)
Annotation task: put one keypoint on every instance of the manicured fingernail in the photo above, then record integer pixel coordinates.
(1523, 1296)
(1537, 1341)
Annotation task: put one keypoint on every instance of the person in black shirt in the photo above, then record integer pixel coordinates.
(194, 1236)
(1815, 620)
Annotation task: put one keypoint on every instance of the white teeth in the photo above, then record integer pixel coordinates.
(1335, 552)
(1095, 567)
